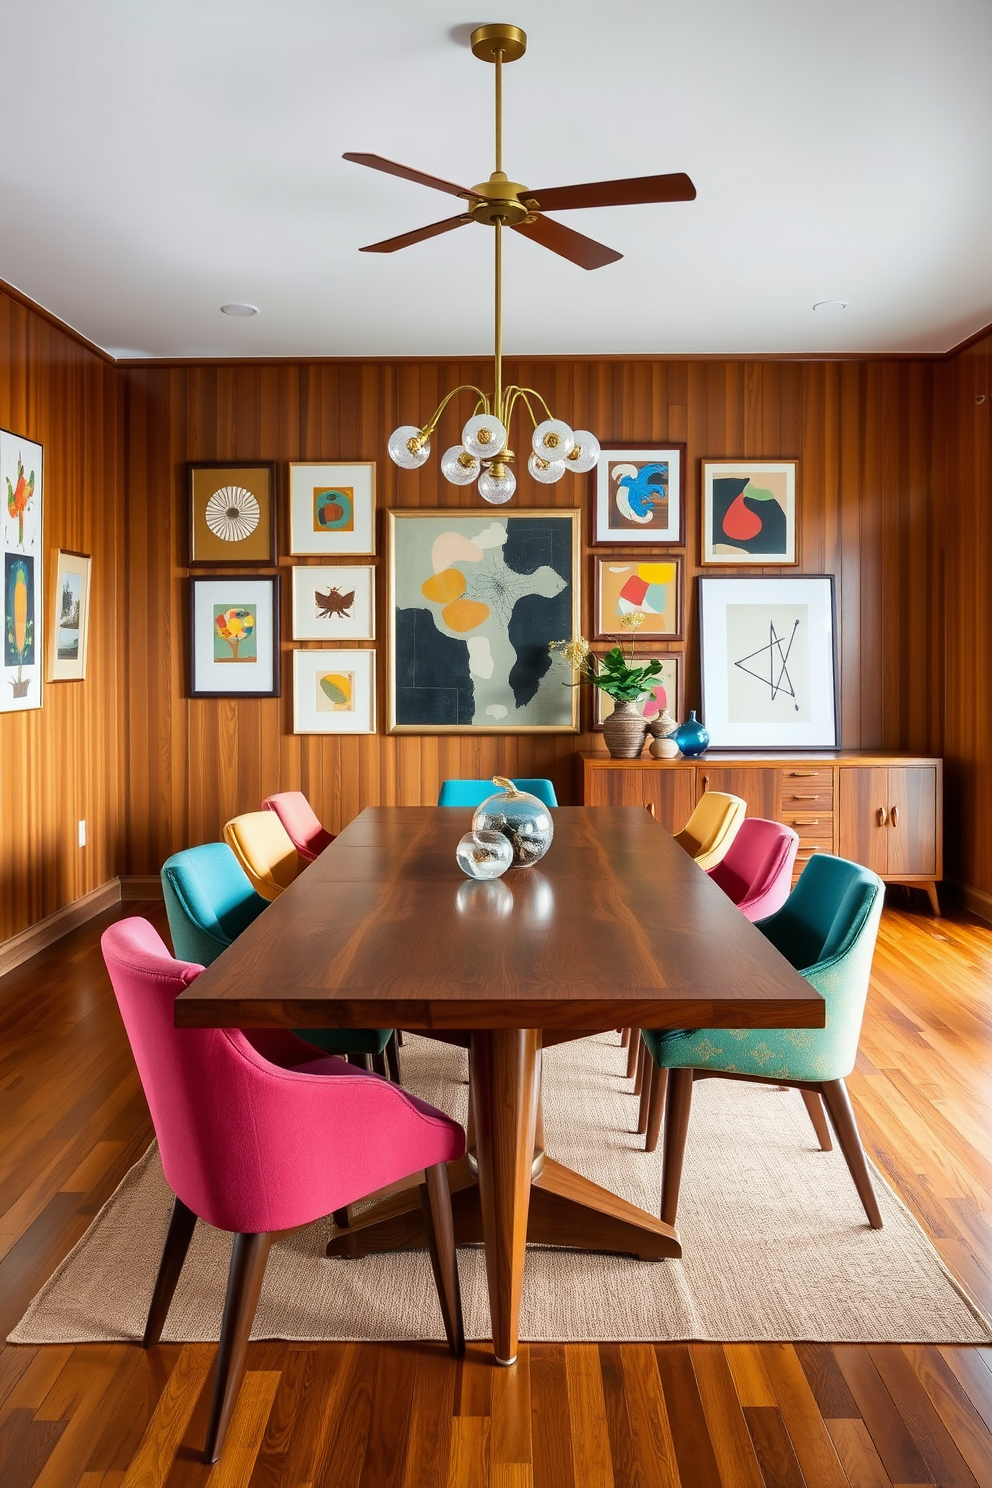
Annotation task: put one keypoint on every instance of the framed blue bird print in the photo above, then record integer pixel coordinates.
(640, 496)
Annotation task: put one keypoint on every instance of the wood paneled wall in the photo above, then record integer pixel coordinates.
(862, 431)
(65, 761)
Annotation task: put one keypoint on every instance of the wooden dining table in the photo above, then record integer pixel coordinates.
(616, 927)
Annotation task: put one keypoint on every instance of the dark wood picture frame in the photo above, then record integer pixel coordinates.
(196, 689)
(644, 638)
(642, 653)
(748, 560)
(266, 525)
(650, 539)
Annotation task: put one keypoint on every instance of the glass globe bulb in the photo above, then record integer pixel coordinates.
(400, 451)
(484, 436)
(585, 453)
(553, 440)
(497, 484)
(546, 471)
(458, 466)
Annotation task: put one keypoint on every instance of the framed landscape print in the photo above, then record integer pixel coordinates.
(667, 692)
(749, 511)
(768, 662)
(640, 496)
(334, 692)
(232, 515)
(650, 587)
(475, 598)
(70, 616)
(334, 603)
(234, 637)
(22, 491)
(332, 509)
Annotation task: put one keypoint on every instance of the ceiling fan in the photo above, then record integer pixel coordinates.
(500, 202)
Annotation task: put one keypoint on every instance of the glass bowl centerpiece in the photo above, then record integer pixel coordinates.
(523, 820)
(625, 729)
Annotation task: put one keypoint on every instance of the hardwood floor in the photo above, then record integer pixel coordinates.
(73, 1119)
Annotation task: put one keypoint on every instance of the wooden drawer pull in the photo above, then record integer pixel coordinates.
(807, 795)
(882, 816)
(894, 816)
(805, 774)
(652, 810)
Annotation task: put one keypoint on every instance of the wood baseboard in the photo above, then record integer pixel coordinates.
(976, 901)
(141, 886)
(27, 943)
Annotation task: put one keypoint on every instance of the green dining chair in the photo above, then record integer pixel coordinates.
(827, 929)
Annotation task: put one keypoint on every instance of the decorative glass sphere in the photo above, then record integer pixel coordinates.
(553, 440)
(546, 471)
(484, 854)
(458, 466)
(585, 452)
(484, 436)
(523, 820)
(399, 447)
(497, 484)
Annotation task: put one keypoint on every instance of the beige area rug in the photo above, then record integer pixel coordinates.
(775, 1243)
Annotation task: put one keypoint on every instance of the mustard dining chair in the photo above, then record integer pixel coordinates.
(712, 827)
(265, 851)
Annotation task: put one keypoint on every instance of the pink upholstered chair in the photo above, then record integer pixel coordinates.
(301, 822)
(757, 871)
(261, 1136)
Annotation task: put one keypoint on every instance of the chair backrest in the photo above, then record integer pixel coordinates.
(208, 900)
(757, 869)
(265, 851)
(474, 792)
(712, 827)
(301, 822)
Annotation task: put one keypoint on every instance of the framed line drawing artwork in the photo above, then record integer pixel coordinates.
(769, 662)
(334, 603)
(70, 616)
(630, 584)
(475, 598)
(334, 692)
(640, 496)
(749, 512)
(668, 690)
(332, 509)
(22, 493)
(232, 515)
(234, 636)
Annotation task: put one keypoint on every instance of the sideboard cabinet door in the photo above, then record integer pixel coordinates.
(757, 786)
(864, 814)
(912, 829)
(671, 792)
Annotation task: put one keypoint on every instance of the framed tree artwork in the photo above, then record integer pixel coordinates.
(22, 492)
(234, 636)
(749, 512)
(640, 496)
(232, 515)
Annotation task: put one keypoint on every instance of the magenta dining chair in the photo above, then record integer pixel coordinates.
(757, 870)
(301, 823)
(261, 1136)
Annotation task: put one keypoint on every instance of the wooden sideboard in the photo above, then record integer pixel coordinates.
(882, 810)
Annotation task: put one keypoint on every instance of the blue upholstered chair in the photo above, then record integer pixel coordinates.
(209, 901)
(474, 792)
(827, 929)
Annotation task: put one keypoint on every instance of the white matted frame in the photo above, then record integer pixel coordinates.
(70, 616)
(22, 611)
(334, 692)
(640, 496)
(749, 512)
(332, 509)
(232, 656)
(333, 604)
(769, 662)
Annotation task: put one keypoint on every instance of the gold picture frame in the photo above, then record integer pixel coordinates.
(70, 630)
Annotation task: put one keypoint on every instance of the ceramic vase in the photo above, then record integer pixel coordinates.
(624, 731)
(692, 738)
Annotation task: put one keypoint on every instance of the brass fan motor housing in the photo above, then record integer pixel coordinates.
(502, 201)
(488, 41)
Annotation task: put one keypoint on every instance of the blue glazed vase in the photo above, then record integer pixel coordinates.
(691, 737)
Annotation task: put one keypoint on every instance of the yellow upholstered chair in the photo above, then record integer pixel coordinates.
(711, 828)
(265, 851)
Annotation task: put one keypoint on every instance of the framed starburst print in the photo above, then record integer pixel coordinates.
(232, 515)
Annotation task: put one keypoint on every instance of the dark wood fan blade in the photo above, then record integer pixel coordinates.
(633, 192)
(380, 163)
(585, 252)
(405, 240)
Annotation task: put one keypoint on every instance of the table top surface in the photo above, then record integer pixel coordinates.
(615, 927)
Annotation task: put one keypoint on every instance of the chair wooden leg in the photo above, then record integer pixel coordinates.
(360, 1061)
(677, 1108)
(633, 1050)
(244, 1282)
(842, 1115)
(643, 1060)
(435, 1201)
(659, 1089)
(393, 1060)
(182, 1223)
(342, 1218)
(814, 1105)
(626, 1037)
(647, 1084)
(379, 1064)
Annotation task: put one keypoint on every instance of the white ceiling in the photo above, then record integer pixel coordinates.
(159, 158)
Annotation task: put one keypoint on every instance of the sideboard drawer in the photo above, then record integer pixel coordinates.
(808, 779)
(806, 799)
(818, 829)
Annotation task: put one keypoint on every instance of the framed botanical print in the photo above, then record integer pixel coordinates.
(334, 603)
(71, 616)
(475, 599)
(667, 690)
(22, 493)
(768, 662)
(749, 512)
(633, 585)
(234, 636)
(232, 515)
(332, 509)
(640, 496)
(334, 692)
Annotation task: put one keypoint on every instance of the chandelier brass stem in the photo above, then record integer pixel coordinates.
(498, 394)
(499, 111)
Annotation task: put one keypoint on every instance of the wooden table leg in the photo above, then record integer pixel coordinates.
(505, 1083)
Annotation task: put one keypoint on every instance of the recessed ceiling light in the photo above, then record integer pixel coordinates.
(828, 307)
(241, 311)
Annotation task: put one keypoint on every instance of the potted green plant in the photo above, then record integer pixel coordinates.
(625, 730)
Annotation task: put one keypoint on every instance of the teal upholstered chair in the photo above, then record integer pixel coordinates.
(827, 929)
(209, 901)
(474, 792)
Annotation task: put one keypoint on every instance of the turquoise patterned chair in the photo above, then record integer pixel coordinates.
(827, 929)
(474, 792)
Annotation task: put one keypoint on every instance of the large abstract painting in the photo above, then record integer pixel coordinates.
(749, 511)
(474, 601)
(21, 492)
